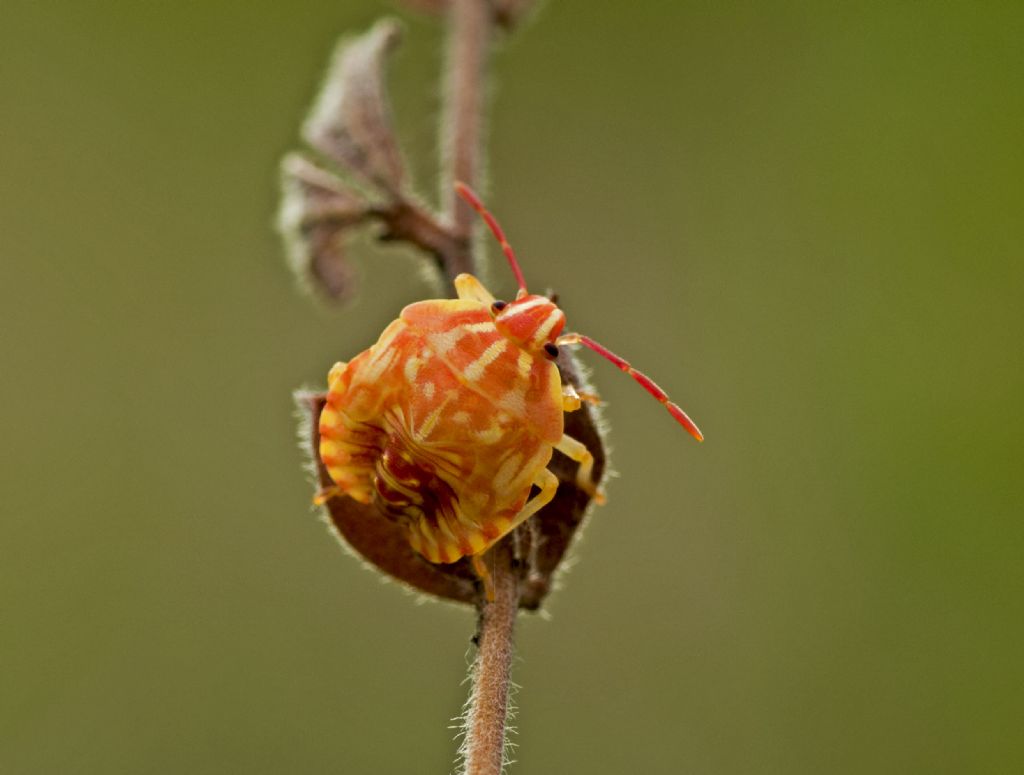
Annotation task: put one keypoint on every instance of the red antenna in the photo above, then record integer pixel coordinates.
(467, 193)
(646, 382)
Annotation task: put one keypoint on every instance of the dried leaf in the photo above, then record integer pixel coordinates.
(351, 121)
(319, 195)
(541, 545)
(318, 211)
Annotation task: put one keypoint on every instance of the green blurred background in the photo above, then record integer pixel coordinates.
(804, 219)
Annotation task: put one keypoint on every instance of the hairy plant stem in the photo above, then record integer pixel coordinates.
(483, 749)
(471, 30)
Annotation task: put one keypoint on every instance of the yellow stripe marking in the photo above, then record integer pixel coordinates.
(515, 401)
(377, 366)
(544, 328)
(525, 364)
(445, 342)
(503, 478)
(475, 370)
(390, 333)
(490, 436)
(412, 367)
(431, 422)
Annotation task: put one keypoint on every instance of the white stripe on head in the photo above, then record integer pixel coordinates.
(523, 306)
(544, 329)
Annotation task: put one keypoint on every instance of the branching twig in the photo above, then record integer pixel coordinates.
(404, 221)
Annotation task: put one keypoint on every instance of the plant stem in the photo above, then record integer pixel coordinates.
(484, 746)
(468, 45)
(471, 29)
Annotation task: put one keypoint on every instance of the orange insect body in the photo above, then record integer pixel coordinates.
(451, 418)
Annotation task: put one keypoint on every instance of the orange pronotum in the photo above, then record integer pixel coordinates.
(450, 419)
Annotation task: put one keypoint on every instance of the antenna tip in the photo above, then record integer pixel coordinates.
(684, 419)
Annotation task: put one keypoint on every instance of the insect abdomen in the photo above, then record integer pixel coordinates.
(412, 492)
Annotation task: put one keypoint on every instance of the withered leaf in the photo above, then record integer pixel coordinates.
(351, 120)
(317, 213)
(313, 193)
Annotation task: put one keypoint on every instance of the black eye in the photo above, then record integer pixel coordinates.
(498, 306)
(552, 350)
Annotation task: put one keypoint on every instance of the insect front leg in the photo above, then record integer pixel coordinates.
(570, 398)
(577, 450)
(548, 484)
(484, 574)
(324, 494)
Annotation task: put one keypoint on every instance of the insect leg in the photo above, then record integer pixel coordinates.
(480, 568)
(548, 484)
(570, 398)
(577, 450)
(468, 287)
(324, 494)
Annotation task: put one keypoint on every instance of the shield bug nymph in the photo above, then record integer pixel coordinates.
(449, 421)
